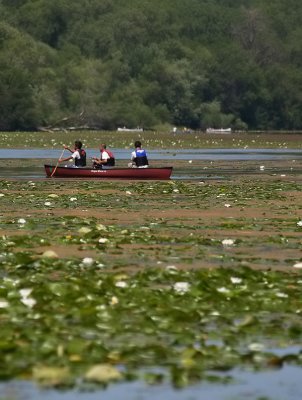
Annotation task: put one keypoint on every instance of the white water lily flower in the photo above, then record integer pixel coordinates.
(298, 265)
(10, 281)
(53, 195)
(84, 229)
(21, 221)
(3, 303)
(223, 290)
(88, 261)
(101, 227)
(121, 284)
(234, 279)
(73, 199)
(282, 295)
(169, 267)
(103, 240)
(299, 223)
(47, 203)
(28, 301)
(181, 287)
(190, 161)
(262, 167)
(25, 292)
(256, 347)
(215, 313)
(2, 194)
(176, 190)
(128, 192)
(114, 300)
(227, 242)
(227, 205)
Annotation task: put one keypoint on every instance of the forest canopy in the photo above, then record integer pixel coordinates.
(149, 63)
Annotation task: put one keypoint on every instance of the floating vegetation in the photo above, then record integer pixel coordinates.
(161, 281)
(59, 315)
(151, 140)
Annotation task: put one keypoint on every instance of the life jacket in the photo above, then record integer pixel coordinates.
(81, 162)
(140, 158)
(111, 161)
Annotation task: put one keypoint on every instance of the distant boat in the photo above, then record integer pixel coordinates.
(221, 130)
(124, 129)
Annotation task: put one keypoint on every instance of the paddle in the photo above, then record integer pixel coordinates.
(57, 164)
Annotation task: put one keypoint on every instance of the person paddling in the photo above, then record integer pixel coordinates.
(139, 156)
(78, 155)
(107, 159)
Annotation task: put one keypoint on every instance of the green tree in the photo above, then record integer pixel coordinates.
(151, 62)
(16, 103)
(211, 115)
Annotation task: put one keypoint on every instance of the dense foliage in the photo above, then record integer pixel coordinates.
(108, 63)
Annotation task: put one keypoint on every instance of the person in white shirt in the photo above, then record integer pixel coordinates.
(78, 155)
(107, 159)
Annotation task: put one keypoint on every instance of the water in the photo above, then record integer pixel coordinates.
(190, 172)
(277, 384)
(273, 384)
(182, 154)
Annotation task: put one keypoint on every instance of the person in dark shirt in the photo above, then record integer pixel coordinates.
(139, 158)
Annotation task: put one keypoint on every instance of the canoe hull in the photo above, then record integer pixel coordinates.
(163, 173)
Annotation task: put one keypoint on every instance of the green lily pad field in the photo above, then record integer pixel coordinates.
(175, 282)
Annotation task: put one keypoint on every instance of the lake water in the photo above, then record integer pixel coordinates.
(283, 384)
(190, 172)
(183, 154)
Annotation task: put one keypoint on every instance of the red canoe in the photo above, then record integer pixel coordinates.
(162, 173)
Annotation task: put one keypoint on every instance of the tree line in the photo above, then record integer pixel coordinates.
(150, 63)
